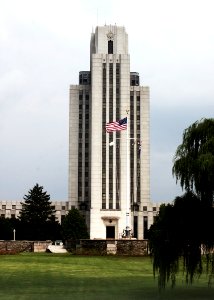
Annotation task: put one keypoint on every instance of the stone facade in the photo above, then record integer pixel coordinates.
(11, 209)
(110, 184)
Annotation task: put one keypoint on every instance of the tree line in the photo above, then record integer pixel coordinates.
(37, 220)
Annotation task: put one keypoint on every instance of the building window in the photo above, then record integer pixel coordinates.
(110, 47)
(135, 227)
(13, 216)
(154, 208)
(145, 227)
(3, 206)
(63, 207)
(2, 215)
(144, 208)
(13, 206)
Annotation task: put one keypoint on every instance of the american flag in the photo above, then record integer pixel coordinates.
(117, 125)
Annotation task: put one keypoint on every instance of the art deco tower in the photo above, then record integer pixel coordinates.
(98, 161)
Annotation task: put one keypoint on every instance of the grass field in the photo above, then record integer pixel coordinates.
(48, 276)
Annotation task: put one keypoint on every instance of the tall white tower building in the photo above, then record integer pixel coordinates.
(109, 173)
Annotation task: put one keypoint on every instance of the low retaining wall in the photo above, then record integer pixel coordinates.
(84, 247)
(118, 247)
(132, 247)
(12, 247)
(41, 246)
(92, 247)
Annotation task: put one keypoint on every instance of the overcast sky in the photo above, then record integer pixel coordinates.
(43, 46)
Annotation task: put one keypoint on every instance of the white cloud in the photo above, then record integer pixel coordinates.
(12, 78)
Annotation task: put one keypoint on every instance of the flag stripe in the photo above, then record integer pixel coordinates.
(117, 125)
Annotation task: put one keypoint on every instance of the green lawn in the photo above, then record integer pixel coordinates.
(48, 276)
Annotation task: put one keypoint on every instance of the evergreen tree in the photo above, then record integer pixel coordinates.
(36, 214)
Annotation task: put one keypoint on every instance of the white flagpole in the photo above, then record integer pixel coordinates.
(127, 181)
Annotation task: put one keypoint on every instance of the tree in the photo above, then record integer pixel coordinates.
(194, 160)
(180, 232)
(184, 229)
(7, 225)
(6, 231)
(74, 226)
(36, 214)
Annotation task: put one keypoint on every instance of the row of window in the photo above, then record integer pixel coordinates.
(83, 151)
(14, 207)
(12, 216)
(4, 206)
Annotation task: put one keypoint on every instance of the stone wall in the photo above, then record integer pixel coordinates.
(41, 246)
(104, 247)
(132, 247)
(84, 247)
(92, 247)
(12, 247)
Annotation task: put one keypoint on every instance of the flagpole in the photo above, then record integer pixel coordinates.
(127, 180)
(117, 126)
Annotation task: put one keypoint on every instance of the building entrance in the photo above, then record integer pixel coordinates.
(110, 232)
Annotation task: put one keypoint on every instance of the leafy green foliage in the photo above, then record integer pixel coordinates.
(7, 225)
(194, 160)
(179, 233)
(6, 229)
(74, 226)
(37, 217)
(183, 231)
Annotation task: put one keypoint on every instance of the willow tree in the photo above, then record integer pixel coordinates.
(194, 160)
(183, 230)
